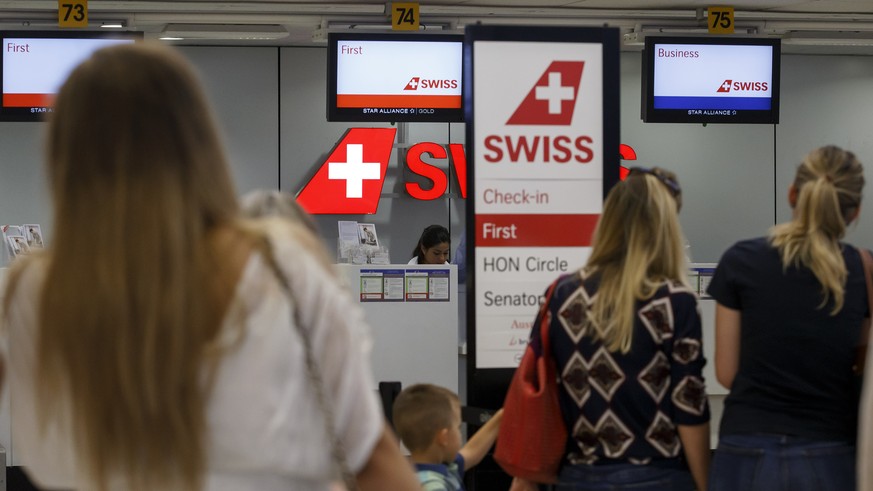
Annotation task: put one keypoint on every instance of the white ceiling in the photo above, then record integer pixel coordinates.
(811, 26)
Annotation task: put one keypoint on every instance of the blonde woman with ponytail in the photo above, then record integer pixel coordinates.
(626, 338)
(789, 312)
(152, 346)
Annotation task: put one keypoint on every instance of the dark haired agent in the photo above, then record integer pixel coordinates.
(433, 246)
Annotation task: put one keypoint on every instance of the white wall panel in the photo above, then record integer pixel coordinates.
(826, 100)
(726, 170)
(242, 85)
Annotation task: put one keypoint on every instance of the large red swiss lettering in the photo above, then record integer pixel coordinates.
(459, 161)
(434, 174)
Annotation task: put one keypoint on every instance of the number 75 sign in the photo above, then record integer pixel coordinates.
(73, 13)
(721, 20)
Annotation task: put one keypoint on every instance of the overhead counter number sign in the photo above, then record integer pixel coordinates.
(404, 16)
(721, 20)
(73, 13)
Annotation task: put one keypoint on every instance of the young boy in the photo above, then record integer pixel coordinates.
(428, 420)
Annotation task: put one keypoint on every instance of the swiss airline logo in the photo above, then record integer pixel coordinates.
(350, 180)
(416, 83)
(413, 84)
(552, 99)
(729, 85)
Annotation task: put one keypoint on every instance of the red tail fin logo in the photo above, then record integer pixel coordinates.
(413, 84)
(552, 100)
(350, 179)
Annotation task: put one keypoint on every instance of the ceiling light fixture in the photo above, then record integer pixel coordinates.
(840, 38)
(320, 34)
(223, 31)
(638, 36)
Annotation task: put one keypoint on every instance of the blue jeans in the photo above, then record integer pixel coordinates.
(620, 477)
(781, 463)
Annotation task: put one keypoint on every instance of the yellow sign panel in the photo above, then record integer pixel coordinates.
(73, 13)
(721, 20)
(404, 16)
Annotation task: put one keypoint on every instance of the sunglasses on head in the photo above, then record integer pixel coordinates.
(668, 181)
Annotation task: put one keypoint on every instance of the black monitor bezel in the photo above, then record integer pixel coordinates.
(336, 114)
(651, 115)
(38, 113)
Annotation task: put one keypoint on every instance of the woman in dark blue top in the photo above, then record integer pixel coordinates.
(788, 320)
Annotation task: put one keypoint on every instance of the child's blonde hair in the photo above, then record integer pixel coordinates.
(420, 412)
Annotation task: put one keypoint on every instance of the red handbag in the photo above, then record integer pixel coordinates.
(533, 437)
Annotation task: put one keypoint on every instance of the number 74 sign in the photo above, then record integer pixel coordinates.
(73, 13)
(404, 16)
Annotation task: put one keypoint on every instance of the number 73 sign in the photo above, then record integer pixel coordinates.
(73, 13)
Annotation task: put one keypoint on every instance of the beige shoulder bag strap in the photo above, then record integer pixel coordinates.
(337, 448)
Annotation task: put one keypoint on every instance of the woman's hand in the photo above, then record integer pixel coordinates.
(519, 484)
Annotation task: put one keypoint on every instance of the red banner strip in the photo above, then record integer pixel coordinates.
(28, 100)
(535, 230)
(412, 101)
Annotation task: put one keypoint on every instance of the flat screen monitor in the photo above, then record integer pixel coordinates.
(36, 64)
(710, 80)
(394, 77)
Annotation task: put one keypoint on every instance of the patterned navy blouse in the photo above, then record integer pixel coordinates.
(624, 408)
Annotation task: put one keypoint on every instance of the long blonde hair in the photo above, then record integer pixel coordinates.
(828, 185)
(637, 246)
(131, 300)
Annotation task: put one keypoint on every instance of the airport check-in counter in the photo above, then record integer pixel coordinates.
(6, 455)
(699, 277)
(412, 311)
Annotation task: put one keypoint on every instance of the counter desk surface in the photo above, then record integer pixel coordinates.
(412, 310)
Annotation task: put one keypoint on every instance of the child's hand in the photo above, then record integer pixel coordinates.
(519, 484)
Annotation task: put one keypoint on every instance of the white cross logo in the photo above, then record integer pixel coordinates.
(413, 83)
(354, 171)
(554, 93)
(725, 86)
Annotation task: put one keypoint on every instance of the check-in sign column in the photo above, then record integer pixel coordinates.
(538, 180)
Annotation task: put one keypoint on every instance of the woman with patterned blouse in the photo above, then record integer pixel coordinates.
(626, 337)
